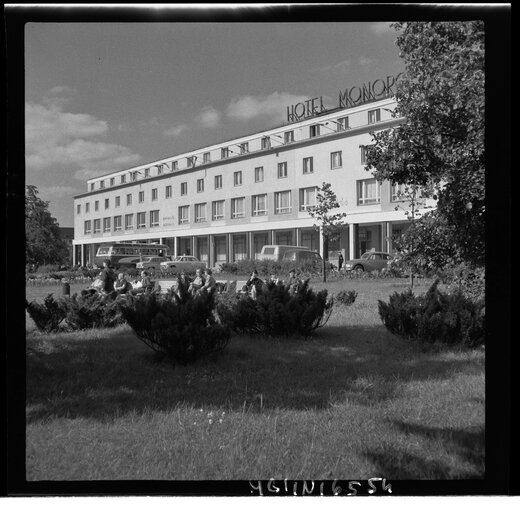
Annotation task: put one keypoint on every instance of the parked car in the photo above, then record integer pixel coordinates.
(369, 261)
(183, 263)
(150, 262)
(304, 256)
(280, 252)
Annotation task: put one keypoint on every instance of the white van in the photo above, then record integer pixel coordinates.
(289, 252)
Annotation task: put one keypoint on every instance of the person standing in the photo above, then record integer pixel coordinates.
(108, 277)
(340, 262)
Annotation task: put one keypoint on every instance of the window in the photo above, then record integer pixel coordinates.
(107, 203)
(206, 157)
(87, 208)
(118, 201)
(159, 169)
(191, 161)
(184, 214)
(336, 160)
(259, 174)
(237, 178)
(175, 166)
(168, 192)
(288, 137)
(399, 192)
(123, 179)
(244, 148)
(368, 192)
(129, 199)
(307, 198)
(88, 227)
(91, 186)
(106, 224)
(218, 182)
(342, 124)
(154, 218)
(96, 205)
(184, 188)
(308, 167)
(200, 185)
(133, 176)
(282, 202)
(78, 209)
(374, 116)
(282, 170)
(314, 130)
(224, 152)
(117, 223)
(217, 210)
(141, 196)
(97, 225)
(129, 222)
(112, 181)
(154, 194)
(147, 172)
(238, 207)
(141, 220)
(364, 154)
(200, 212)
(101, 184)
(259, 205)
(266, 142)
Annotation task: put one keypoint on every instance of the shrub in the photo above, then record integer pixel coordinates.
(345, 297)
(180, 325)
(91, 311)
(47, 316)
(47, 269)
(265, 268)
(276, 311)
(470, 280)
(450, 318)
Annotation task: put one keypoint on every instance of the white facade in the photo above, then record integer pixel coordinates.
(226, 208)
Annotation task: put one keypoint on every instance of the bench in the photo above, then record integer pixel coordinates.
(163, 285)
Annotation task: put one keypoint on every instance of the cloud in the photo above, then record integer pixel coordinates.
(209, 117)
(244, 108)
(364, 61)
(55, 138)
(58, 96)
(338, 68)
(175, 131)
(382, 28)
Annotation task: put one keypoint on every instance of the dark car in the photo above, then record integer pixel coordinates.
(303, 256)
(369, 261)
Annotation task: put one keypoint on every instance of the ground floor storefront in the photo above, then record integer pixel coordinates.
(353, 241)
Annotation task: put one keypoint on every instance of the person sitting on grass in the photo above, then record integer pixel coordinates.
(254, 284)
(293, 282)
(210, 283)
(145, 285)
(197, 283)
(122, 286)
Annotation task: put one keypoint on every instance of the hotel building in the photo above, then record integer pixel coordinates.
(223, 202)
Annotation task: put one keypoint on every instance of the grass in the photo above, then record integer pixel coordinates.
(353, 402)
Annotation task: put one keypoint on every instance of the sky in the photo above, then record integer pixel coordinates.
(102, 97)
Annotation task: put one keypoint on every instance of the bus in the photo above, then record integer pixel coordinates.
(127, 254)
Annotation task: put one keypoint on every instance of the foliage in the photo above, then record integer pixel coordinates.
(330, 223)
(277, 311)
(266, 268)
(179, 325)
(440, 146)
(449, 318)
(465, 278)
(47, 316)
(345, 297)
(91, 311)
(43, 243)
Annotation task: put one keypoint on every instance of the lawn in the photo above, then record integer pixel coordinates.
(353, 402)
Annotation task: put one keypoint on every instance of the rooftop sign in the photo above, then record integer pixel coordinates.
(356, 95)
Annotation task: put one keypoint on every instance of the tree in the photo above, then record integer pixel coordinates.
(440, 144)
(43, 243)
(329, 224)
